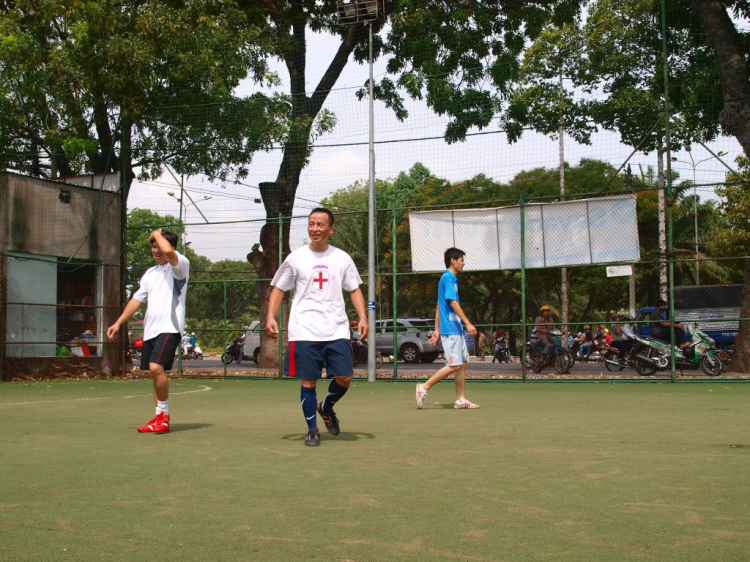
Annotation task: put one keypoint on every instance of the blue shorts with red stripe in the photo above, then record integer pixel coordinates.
(161, 350)
(306, 359)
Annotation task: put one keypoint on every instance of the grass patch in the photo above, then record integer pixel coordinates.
(613, 472)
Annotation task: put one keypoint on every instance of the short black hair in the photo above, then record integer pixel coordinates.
(452, 254)
(170, 236)
(323, 210)
(661, 302)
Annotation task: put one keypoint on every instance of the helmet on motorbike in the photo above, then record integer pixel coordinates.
(545, 307)
(606, 330)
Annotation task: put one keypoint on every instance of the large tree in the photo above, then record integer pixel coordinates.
(459, 56)
(615, 63)
(113, 86)
(730, 48)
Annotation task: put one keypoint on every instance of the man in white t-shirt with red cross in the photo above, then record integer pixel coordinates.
(164, 287)
(318, 326)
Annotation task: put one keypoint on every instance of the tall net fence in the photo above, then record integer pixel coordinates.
(222, 176)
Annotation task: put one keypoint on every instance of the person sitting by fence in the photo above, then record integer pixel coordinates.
(660, 326)
(586, 342)
(626, 333)
(498, 334)
(481, 343)
(543, 326)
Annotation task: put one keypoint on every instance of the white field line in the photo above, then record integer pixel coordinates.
(203, 388)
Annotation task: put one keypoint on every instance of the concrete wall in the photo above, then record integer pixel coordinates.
(33, 220)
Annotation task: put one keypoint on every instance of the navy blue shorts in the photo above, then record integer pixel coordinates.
(161, 350)
(306, 359)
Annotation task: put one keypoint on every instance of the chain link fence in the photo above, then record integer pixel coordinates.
(590, 303)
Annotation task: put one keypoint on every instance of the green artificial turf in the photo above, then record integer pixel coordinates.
(600, 472)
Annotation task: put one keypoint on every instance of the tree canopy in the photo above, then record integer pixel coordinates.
(92, 87)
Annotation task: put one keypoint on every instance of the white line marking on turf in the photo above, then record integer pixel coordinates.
(203, 388)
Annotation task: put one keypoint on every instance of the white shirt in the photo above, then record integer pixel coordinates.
(318, 278)
(164, 288)
(627, 332)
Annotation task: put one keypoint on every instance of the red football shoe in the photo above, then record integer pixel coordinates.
(160, 424)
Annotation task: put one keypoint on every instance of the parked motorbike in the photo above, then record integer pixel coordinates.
(651, 355)
(136, 347)
(558, 356)
(233, 351)
(193, 352)
(360, 351)
(596, 353)
(501, 353)
(614, 358)
(593, 356)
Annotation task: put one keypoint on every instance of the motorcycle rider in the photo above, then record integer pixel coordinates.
(626, 333)
(497, 336)
(185, 342)
(660, 327)
(586, 342)
(543, 325)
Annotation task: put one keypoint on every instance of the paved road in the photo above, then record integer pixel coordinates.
(476, 367)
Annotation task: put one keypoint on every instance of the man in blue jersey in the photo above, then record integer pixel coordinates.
(448, 327)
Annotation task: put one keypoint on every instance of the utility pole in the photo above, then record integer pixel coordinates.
(561, 134)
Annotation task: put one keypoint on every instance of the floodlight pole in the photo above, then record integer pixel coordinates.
(367, 12)
(371, 235)
(564, 273)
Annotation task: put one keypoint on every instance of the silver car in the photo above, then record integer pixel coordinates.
(413, 337)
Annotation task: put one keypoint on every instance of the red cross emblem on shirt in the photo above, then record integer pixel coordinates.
(321, 279)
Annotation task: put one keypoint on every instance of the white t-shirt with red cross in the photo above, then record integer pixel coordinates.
(318, 278)
(164, 288)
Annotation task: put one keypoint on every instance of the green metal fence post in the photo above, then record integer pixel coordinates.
(225, 325)
(670, 237)
(523, 288)
(281, 306)
(394, 263)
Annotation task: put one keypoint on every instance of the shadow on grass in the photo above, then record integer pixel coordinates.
(188, 426)
(343, 436)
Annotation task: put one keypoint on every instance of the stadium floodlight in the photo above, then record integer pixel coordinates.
(352, 12)
(359, 11)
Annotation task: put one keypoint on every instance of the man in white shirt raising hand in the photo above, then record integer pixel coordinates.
(164, 287)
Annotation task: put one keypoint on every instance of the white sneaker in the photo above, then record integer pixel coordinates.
(462, 404)
(420, 396)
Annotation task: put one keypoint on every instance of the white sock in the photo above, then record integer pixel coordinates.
(162, 407)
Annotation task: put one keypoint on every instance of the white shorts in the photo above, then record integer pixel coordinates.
(454, 350)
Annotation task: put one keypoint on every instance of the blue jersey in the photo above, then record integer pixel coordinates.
(450, 323)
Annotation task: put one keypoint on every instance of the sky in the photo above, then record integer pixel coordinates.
(341, 158)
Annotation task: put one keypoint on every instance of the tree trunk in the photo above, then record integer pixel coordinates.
(734, 78)
(278, 196)
(277, 200)
(730, 66)
(741, 359)
(123, 164)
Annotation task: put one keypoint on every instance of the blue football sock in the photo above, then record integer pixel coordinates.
(309, 406)
(335, 393)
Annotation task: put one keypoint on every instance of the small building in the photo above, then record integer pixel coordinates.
(60, 252)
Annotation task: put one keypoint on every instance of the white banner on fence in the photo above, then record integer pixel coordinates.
(587, 231)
